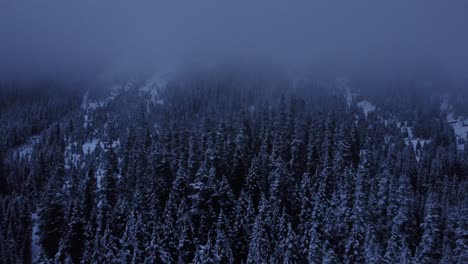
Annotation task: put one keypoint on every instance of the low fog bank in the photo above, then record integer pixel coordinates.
(47, 39)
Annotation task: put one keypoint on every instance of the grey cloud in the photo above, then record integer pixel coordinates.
(51, 36)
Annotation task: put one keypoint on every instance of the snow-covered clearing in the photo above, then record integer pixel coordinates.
(89, 147)
(460, 127)
(87, 105)
(92, 105)
(99, 174)
(460, 124)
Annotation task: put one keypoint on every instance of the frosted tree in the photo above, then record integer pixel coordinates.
(355, 244)
(155, 251)
(75, 235)
(51, 218)
(288, 250)
(259, 247)
(398, 243)
(205, 254)
(222, 248)
(201, 201)
(429, 250)
(253, 181)
(130, 251)
(314, 252)
(244, 220)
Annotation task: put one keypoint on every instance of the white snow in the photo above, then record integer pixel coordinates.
(70, 157)
(99, 174)
(115, 144)
(86, 121)
(366, 106)
(26, 149)
(460, 127)
(414, 141)
(87, 105)
(89, 147)
(96, 104)
(35, 247)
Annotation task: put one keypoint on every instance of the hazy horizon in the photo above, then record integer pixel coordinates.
(46, 38)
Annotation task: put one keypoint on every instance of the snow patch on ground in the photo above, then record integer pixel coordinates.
(95, 105)
(460, 127)
(89, 147)
(87, 105)
(35, 247)
(24, 151)
(414, 140)
(70, 157)
(99, 174)
(116, 144)
(366, 107)
(86, 121)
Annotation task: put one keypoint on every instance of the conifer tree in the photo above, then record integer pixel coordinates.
(429, 248)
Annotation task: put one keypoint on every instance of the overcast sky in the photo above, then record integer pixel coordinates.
(49, 36)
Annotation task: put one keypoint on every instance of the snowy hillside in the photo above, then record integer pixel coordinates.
(460, 127)
(222, 169)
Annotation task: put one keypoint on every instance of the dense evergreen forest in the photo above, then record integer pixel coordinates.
(233, 167)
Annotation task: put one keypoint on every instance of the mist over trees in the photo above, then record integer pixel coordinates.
(234, 131)
(233, 167)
